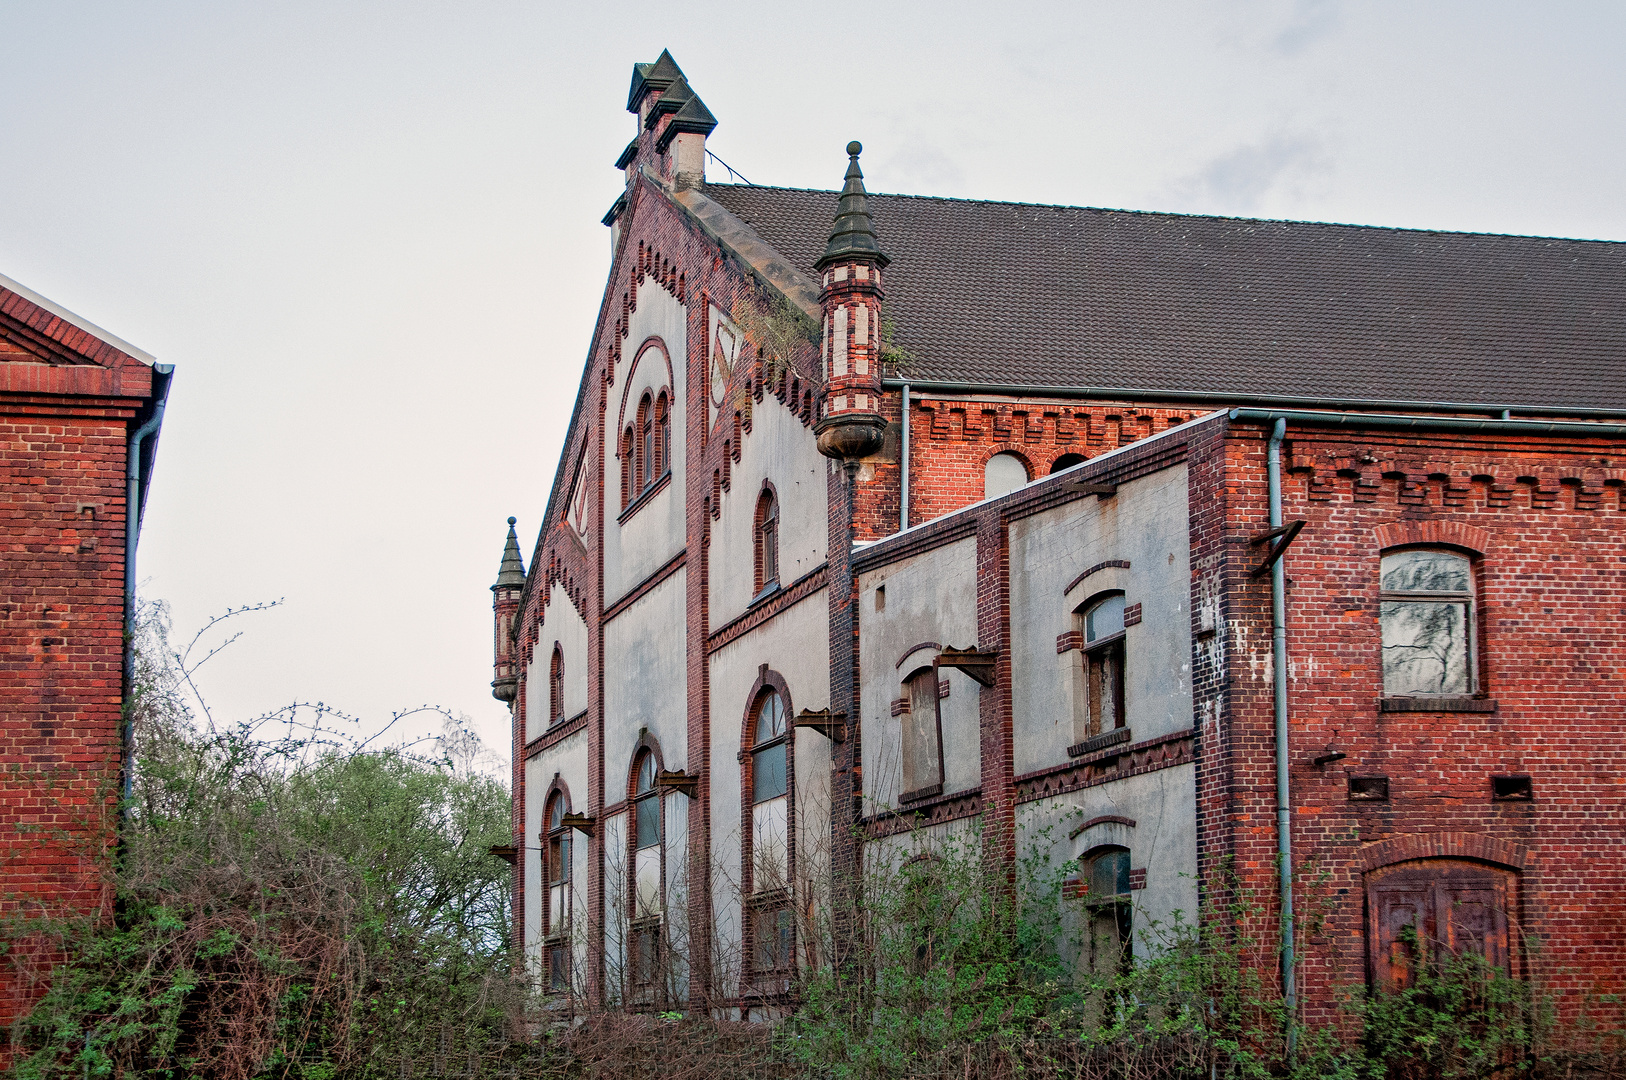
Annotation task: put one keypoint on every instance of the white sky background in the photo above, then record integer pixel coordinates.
(368, 235)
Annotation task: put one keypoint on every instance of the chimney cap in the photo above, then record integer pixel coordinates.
(657, 76)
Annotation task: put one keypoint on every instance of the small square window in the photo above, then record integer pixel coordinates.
(1369, 789)
(1511, 789)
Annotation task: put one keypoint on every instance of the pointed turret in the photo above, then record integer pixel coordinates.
(853, 236)
(850, 424)
(504, 606)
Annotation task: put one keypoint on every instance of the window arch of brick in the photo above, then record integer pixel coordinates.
(1067, 461)
(556, 684)
(645, 424)
(768, 816)
(1470, 538)
(765, 539)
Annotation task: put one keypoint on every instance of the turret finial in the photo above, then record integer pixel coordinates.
(853, 235)
(511, 574)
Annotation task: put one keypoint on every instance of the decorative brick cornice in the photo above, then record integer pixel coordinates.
(1115, 763)
(556, 734)
(1443, 845)
(798, 590)
(938, 810)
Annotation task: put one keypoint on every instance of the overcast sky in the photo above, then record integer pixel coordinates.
(367, 235)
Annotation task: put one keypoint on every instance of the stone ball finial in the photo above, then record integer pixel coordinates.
(855, 148)
(512, 520)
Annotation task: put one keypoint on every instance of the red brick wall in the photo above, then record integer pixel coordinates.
(62, 520)
(1551, 583)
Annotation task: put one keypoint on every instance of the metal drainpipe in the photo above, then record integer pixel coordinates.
(132, 532)
(903, 507)
(1284, 806)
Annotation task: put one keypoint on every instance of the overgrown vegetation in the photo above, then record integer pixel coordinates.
(291, 903)
(288, 902)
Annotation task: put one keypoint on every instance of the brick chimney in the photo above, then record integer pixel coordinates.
(850, 423)
(672, 126)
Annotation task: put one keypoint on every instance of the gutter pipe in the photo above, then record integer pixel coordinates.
(1219, 398)
(1284, 794)
(903, 501)
(1578, 429)
(135, 499)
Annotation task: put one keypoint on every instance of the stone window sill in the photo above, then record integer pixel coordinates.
(1099, 742)
(1437, 704)
(645, 496)
(921, 793)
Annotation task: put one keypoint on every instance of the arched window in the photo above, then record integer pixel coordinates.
(769, 782)
(767, 540)
(769, 796)
(556, 872)
(662, 457)
(922, 736)
(646, 445)
(1101, 697)
(1066, 461)
(629, 468)
(1426, 616)
(556, 685)
(1106, 897)
(1002, 473)
(1426, 909)
(648, 873)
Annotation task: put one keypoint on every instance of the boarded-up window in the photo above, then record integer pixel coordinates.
(1425, 611)
(922, 738)
(1421, 911)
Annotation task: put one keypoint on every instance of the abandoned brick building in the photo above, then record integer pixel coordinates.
(79, 418)
(879, 515)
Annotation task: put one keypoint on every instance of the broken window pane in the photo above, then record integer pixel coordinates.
(1425, 648)
(1426, 619)
(1425, 571)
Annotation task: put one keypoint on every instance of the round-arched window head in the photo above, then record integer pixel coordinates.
(1003, 473)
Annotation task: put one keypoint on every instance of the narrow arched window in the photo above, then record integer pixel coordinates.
(769, 796)
(662, 456)
(1426, 616)
(1106, 872)
(647, 835)
(1002, 473)
(767, 540)
(1101, 626)
(556, 872)
(556, 685)
(922, 736)
(628, 468)
(646, 444)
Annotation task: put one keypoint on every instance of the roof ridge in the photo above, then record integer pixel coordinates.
(1180, 214)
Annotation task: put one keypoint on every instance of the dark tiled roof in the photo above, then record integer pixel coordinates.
(1014, 293)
